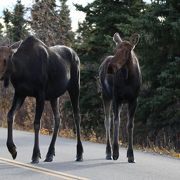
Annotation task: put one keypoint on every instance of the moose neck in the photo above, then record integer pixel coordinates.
(134, 73)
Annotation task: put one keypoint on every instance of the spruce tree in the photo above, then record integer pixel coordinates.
(7, 18)
(66, 35)
(158, 111)
(1, 30)
(52, 23)
(16, 25)
(44, 20)
(19, 23)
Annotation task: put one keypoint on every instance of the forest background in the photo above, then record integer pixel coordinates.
(157, 120)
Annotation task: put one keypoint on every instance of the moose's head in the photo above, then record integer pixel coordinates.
(123, 50)
(5, 54)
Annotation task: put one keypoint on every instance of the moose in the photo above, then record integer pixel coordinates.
(44, 73)
(120, 80)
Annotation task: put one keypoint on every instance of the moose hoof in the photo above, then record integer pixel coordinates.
(49, 158)
(14, 154)
(115, 156)
(108, 157)
(131, 160)
(79, 158)
(35, 160)
(50, 155)
(12, 150)
(79, 155)
(130, 156)
(115, 152)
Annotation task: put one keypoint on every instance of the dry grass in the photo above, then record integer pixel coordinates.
(162, 151)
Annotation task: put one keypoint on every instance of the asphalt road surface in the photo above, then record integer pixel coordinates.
(148, 166)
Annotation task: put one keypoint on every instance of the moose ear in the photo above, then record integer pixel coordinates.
(134, 39)
(14, 47)
(117, 39)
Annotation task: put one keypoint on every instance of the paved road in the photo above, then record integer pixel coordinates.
(148, 166)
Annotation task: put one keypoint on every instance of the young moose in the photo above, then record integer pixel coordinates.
(120, 79)
(45, 73)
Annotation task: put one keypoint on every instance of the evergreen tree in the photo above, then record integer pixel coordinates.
(66, 35)
(19, 23)
(159, 111)
(1, 30)
(7, 19)
(104, 18)
(45, 22)
(52, 23)
(16, 25)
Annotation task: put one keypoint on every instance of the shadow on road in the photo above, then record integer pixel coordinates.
(73, 165)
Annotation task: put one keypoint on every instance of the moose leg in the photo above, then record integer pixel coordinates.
(74, 95)
(16, 104)
(39, 109)
(116, 112)
(51, 151)
(107, 123)
(130, 127)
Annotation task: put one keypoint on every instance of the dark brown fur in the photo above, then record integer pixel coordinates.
(120, 79)
(44, 73)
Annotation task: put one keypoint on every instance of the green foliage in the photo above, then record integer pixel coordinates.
(45, 21)
(16, 25)
(1, 30)
(103, 19)
(66, 34)
(160, 60)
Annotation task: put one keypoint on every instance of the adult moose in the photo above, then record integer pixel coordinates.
(120, 79)
(45, 73)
